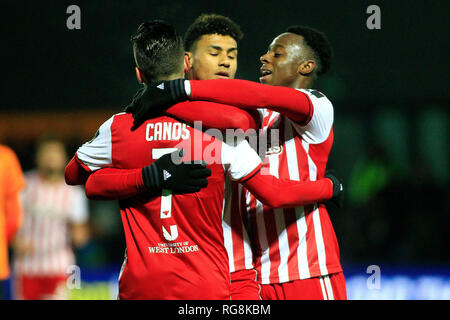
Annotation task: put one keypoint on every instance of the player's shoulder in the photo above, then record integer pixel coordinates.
(323, 108)
(117, 120)
(126, 117)
(6, 152)
(120, 117)
(316, 96)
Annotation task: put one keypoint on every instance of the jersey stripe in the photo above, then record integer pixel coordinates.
(328, 287)
(293, 238)
(316, 218)
(248, 263)
(294, 243)
(321, 254)
(283, 245)
(265, 264)
(322, 286)
(303, 266)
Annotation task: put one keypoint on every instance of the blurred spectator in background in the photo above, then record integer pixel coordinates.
(11, 182)
(55, 219)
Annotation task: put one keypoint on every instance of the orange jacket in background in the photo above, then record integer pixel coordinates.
(11, 182)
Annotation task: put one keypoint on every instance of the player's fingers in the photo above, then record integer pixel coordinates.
(199, 182)
(202, 183)
(187, 189)
(195, 164)
(200, 173)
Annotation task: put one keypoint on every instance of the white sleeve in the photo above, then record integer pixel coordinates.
(240, 161)
(79, 205)
(96, 154)
(318, 128)
(262, 113)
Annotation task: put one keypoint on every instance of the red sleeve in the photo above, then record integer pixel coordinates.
(114, 184)
(279, 193)
(76, 173)
(290, 102)
(214, 115)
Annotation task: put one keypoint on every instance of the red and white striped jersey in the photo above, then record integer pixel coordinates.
(235, 232)
(48, 209)
(295, 243)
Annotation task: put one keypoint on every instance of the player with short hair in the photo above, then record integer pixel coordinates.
(297, 254)
(211, 42)
(177, 238)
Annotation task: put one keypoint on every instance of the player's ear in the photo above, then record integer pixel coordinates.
(187, 62)
(140, 75)
(190, 56)
(306, 67)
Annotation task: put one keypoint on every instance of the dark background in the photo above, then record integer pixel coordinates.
(49, 66)
(389, 88)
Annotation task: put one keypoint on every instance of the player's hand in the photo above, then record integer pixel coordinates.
(154, 98)
(180, 177)
(338, 189)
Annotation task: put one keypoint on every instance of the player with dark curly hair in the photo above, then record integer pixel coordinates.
(155, 215)
(296, 253)
(211, 42)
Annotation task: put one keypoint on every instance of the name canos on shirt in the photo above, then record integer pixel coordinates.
(166, 131)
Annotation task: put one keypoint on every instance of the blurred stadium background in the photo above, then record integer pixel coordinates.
(389, 88)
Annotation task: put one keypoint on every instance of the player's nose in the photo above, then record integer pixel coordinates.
(265, 58)
(225, 62)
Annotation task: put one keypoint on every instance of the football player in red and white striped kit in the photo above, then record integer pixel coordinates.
(55, 218)
(204, 269)
(296, 250)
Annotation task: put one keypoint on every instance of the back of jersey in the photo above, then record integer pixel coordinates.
(174, 243)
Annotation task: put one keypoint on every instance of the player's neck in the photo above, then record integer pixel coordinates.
(303, 83)
(173, 77)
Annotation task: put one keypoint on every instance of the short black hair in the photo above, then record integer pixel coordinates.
(158, 49)
(319, 44)
(211, 24)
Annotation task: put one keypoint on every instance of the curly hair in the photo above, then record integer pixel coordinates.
(158, 49)
(318, 43)
(211, 24)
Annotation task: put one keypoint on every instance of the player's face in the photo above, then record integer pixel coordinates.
(51, 157)
(214, 57)
(281, 62)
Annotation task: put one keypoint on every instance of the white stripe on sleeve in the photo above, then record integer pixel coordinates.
(318, 128)
(96, 154)
(239, 161)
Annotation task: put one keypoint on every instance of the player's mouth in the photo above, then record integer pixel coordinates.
(222, 75)
(265, 74)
